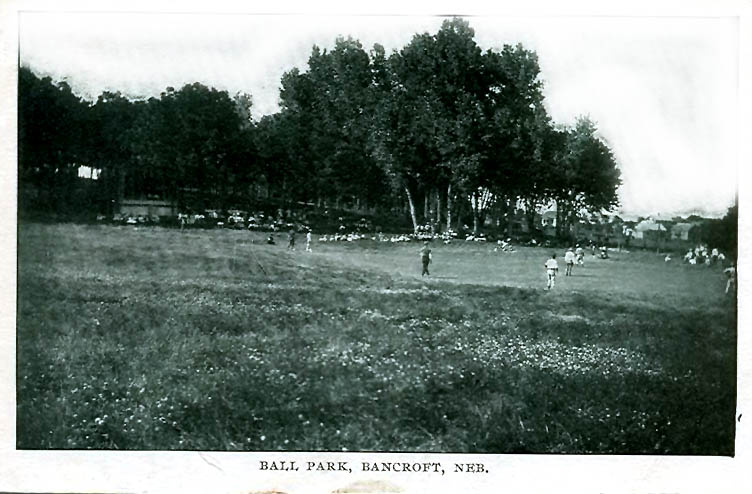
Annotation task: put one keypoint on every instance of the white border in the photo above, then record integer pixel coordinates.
(112, 471)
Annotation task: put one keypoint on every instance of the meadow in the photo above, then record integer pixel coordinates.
(152, 338)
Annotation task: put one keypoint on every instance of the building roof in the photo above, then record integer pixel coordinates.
(682, 227)
(649, 225)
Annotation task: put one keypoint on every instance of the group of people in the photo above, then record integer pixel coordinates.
(700, 255)
(380, 237)
(504, 246)
(571, 257)
(476, 238)
(270, 240)
(343, 237)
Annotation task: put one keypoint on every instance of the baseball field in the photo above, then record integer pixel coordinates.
(161, 339)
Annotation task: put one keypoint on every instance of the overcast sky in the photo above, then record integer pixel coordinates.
(663, 91)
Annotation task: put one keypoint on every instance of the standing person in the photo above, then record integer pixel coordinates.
(580, 254)
(291, 239)
(731, 273)
(308, 241)
(552, 266)
(569, 259)
(425, 257)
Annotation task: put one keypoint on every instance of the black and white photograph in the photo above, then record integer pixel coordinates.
(388, 249)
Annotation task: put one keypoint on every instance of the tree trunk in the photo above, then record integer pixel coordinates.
(558, 219)
(474, 207)
(425, 207)
(459, 217)
(437, 221)
(411, 203)
(120, 187)
(574, 230)
(449, 206)
(510, 217)
(530, 216)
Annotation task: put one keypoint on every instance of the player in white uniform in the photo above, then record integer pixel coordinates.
(569, 259)
(580, 255)
(552, 266)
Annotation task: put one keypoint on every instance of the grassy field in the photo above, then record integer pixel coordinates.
(153, 338)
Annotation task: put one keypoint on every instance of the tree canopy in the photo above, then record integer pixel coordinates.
(438, 130)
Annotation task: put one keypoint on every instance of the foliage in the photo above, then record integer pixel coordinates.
(589, 176)
(191, 139)
(435, 123)
(51, 136)
(722, 233)
(329, 107)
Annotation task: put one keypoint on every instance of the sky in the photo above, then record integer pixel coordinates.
(663, 91)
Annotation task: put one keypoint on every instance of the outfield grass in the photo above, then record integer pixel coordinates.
(153, 338)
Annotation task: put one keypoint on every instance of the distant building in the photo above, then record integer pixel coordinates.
(147, 207)
(651, 233)
(645, 227)
(682, 231)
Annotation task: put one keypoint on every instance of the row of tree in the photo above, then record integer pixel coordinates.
(440, 124)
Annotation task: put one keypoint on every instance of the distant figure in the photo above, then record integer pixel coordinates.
(270, 239)
(667, 258)
(552, 266)
(291, 239)
(604, 252)
(580, 254)
(308, 241)
(731, 274)
(425, 257)
(569, 259)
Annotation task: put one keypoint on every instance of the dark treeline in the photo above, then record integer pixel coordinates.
(441, 131)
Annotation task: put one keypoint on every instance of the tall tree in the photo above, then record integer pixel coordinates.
(111, 129)
(51, 141)
(427, 110)
(185, 144)
(589, 176)
(330, 106)
(516, 128)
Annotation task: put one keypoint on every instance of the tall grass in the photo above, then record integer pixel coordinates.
(157, 339)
